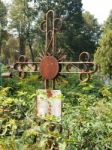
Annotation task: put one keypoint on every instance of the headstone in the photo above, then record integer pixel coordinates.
(49, 102)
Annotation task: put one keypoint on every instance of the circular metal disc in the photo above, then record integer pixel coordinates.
(49, 67)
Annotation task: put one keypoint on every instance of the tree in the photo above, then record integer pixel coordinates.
(90, 33)
(80, 31)
(103, 54)
(17, 14)
(23, 19)
(87, 37)
(3, 23)
(71, 12)
(12, 48)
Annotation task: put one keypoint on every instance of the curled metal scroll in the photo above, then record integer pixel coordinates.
(85, 58)
(85, 67)
(50, 26)
(23, 66)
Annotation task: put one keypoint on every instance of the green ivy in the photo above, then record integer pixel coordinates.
(86, 117)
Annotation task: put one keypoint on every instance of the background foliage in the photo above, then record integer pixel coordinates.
(80, 30)
(103, 54)
(86, 119)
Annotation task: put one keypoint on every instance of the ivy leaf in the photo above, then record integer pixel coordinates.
(19, 146)
(62, 146)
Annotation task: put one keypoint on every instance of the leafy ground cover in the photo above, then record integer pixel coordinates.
(86, 116)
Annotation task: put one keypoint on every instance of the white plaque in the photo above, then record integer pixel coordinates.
(49, 103)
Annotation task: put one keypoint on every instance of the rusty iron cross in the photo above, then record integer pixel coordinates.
(52, 62)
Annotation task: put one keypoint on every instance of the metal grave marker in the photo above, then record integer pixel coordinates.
(52, 64)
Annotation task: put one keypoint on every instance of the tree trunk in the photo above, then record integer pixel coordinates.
(22, 45)
(0, 44)
(31, 51)
(110, 76)
(0, 49)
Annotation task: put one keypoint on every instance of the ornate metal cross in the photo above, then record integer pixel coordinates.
(52, 62)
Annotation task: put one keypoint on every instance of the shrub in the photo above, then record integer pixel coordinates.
(86, 120)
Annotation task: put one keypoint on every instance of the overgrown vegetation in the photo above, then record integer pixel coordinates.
(103, 54)
(86, 120)
(87, 107)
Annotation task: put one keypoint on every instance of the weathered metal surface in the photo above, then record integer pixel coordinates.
(51, 62)
(50, 26)
(49, 67)
(22, 66)
(49, 102)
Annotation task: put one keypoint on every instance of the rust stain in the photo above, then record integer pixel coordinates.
(49, 93)
(49, 67)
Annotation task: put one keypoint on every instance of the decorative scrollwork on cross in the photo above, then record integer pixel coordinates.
(22, 66)
(50, 26)
(52, 62)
